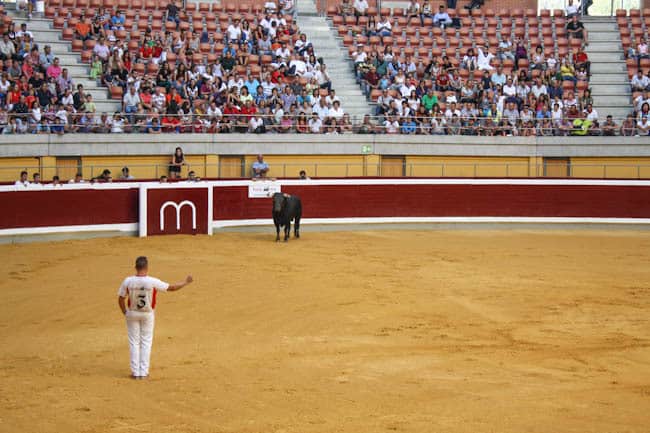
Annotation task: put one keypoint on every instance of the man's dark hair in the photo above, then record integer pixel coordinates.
(55, 178)
(23, 173)
(141, 263)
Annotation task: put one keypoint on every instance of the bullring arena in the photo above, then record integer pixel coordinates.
(475, 188)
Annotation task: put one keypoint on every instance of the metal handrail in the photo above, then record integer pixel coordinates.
(351, 169)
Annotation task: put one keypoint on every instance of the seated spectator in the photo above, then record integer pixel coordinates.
(360, 9)
(628, 127)
(609, 127)
(576, 29)
(345, 8)
(643, 126)
(571, 10)
(118, 20)
(640, 82)
(442, 18)
(101, 50)
(384, 27)
(82, 30)
(260, 168)
(413, 9)
(23, 181)
(126, 174)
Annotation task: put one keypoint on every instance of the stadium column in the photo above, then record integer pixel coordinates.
(371, 165)
(48, 167)
(211, 166)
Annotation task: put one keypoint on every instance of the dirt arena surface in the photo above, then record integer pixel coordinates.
(408, 331)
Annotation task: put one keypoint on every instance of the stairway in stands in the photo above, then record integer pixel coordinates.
(327, 46)
(609, 80)
(45, 34)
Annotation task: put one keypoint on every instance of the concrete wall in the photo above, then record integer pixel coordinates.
(325, 156)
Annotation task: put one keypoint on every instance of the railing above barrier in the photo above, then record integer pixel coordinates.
(553, 169)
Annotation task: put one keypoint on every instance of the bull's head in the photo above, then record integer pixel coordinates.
(278, 202)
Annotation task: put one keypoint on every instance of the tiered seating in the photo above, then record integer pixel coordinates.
(632, 28)
(146, 20)
(415, 40)
(424, 42)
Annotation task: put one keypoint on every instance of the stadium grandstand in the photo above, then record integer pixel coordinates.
(421, 78)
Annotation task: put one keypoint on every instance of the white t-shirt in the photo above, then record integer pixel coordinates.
(234, 33)
(141, 292)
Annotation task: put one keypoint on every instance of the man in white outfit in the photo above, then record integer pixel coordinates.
(137, 300)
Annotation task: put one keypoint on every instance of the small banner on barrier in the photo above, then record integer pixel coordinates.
(263, 188)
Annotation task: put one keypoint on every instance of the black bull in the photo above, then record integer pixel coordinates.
(285, 209)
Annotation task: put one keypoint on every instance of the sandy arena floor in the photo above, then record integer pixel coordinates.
(453, 331)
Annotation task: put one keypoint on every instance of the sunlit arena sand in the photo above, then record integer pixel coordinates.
(365, 331)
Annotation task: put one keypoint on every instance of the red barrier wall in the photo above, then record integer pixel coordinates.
(338, 201)
(47, 208)
(157, 197)
(105, 206)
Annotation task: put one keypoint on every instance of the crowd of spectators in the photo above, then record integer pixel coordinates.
(486, 90)
(236, 90)
(36, 93)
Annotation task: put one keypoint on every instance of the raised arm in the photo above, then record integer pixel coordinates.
(178, 286)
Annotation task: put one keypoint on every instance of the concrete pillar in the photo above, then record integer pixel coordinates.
(48, 167)
(211, 166)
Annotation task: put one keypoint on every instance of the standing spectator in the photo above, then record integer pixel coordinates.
(260, 168)
(178, 160)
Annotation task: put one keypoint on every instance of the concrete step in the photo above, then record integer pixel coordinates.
(608, 80)
(610, 90)
(614, 100)
(605, 57)
(608, 26)
(603, 46)
(108, 106)
(608, 68)
(604, 36)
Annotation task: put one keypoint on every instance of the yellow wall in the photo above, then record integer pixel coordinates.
(145, 167)
(10, 168)
(466, 166)
(328, 165)
(624, 168)
(150, 167)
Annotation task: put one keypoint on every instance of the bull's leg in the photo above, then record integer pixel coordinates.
(287, 230)
(296, 228)
(277, 233)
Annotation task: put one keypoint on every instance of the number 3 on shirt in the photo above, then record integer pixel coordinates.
(141, 299)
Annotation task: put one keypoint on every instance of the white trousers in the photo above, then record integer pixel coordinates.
(140, 330)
